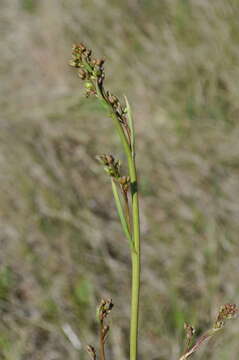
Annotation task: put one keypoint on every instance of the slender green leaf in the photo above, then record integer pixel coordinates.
(131, 124)
(121, 212)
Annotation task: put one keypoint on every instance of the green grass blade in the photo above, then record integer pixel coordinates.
(131, 124)
(121, 212)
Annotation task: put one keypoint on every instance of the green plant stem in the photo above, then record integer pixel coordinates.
(135, 251)
(135, 255)
(123, 220)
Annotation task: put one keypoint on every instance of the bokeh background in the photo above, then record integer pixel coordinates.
(61, 244)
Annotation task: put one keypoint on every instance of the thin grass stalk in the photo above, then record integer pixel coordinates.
(92, 72)
(135, 251)
(136, 263)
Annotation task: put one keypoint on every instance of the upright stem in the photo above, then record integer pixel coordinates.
(135, 256)
(135, 250)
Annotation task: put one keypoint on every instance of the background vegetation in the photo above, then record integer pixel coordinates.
(61, 243)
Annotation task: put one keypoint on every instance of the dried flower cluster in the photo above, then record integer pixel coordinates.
(91, 70)
(226, 312)
(105, 308)
(112, 167)
(190, 331)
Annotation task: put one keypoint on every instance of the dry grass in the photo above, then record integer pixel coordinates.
(61, 244)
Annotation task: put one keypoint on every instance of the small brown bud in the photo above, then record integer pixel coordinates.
(73, 63)
(110, 159)
(105, 308)
(87, 53)
(91, 351)
(100, 62)
(190, 331)
(81, 46)
(111, 166)
(124, 180)
(82, 74)
(112, 99)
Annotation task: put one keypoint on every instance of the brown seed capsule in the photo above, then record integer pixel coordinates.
(91, 350)
(87, 52)
(105, 308)
(72, 63)
(110, 159)
(81, 47)
(123, 180)
(226, 312)
(190, 331)
(112, 99)
(100, 62)
(82, 74)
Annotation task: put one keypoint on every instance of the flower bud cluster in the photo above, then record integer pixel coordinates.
(190, 331)
(118, 108)
(125, 183)
(226, 312)
(105, 308)
(90, 69)
(111, 166)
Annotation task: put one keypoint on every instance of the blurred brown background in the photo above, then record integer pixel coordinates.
(61, 244)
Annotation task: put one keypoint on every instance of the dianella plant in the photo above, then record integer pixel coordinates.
(125, 193)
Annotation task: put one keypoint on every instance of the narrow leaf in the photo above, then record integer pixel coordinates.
(131, 124)
(121, 212)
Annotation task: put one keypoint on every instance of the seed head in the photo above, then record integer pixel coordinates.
(226, 312)
(111, 166)
(190, 331)
(105, 307)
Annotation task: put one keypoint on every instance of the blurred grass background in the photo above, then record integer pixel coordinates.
(61, 244)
